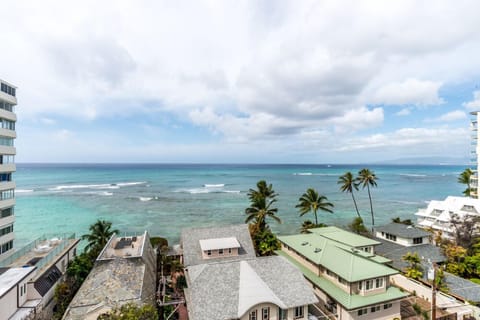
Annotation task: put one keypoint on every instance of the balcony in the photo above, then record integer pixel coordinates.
(8, 98)
(43, 250)
(7, 220)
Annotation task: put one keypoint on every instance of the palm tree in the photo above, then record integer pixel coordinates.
(100, 233)
(464, 178)
(259, 210)
(348, 185)
(312, 201)
(367, 178)
(263, 191)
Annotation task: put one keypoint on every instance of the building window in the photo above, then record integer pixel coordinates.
(375, 309)
(6, 246)
(7, 194)
(330, 273)
(342, 281)
(5, 177)
(298, 312)
(6, 212)
(387, 305)
(369, 285)
(6, 141)
(229, 250)
(391, 237)
(6, 230)
(362, 311)
(282, 314)
(6, 106)
(379, 282)
(360, 285)
(417, 240)
(209, 252)
(8, 90)
(220, 251)
(265, 313)
(7, 124)
(253, 315)
(6, 159)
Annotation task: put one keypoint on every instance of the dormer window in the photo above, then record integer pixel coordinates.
(219, 247)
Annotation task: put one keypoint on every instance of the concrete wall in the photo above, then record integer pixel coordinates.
(274, 312)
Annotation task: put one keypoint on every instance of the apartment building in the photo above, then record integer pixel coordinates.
(8, 118)
(350, 280)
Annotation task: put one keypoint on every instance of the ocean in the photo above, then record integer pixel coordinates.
(164, 198)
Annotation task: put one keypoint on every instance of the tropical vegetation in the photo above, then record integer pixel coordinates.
(131, 311)
(100, 232)
(367, 178)
(348, 184)
(465, 178)
(261, 208)
(308, 224)
(357, 226)
(414, 270)
(311, 201)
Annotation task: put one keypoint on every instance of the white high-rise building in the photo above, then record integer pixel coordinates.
(8, 118)
(474, 154)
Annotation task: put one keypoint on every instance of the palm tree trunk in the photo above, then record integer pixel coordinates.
(356, 207)
(316, 220)
(371, 207)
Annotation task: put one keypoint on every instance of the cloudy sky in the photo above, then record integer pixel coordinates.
(241, 81)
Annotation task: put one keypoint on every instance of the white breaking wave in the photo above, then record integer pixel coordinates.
(127, 184)
(95, 186)
(206, 190)
(23, 190)
(145, 198)
(413, 175)
(220, 185)
(303, 174)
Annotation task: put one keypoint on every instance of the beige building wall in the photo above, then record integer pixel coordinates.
(228, 252)
(13, 298)
(274, 312)
(310, 266)
(392, 313)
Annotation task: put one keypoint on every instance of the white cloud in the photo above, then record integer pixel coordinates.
(449, 117)
(473, 105)
(410, 91)
(413, 141)
(247, 71)
(404, 112)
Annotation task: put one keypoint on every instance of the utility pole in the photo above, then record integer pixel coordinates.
(434, 292)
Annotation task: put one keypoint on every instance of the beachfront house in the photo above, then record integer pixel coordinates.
(125, 271)
(438, 214)
(227, 281)
(351, 281)
(399, 239)
(29, 276)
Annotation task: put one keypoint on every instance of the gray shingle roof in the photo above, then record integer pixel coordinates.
(225, 290)
(403, 231)
(395, 252)
(192, 253)
(463, 288)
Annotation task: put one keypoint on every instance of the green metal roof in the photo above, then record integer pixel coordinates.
(350, 264)
(349, 302)
(345, 237)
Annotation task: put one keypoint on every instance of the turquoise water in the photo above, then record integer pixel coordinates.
(163, 199)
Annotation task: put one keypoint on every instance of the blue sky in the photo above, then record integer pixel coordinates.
(242, 81)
